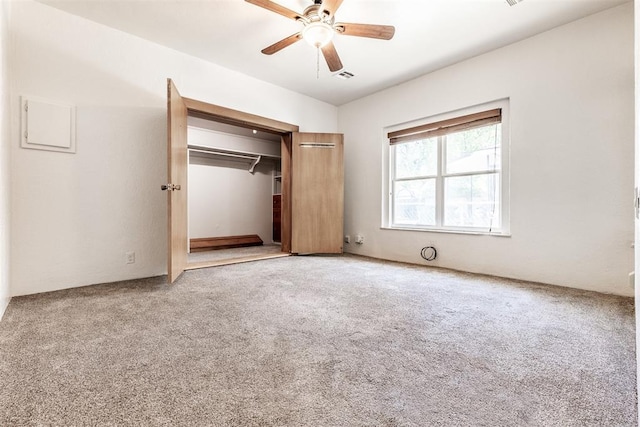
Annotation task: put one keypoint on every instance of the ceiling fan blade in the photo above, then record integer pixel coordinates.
(331, 5)
(384, 32)
(275, 7)
(278, 46)
(331, 56)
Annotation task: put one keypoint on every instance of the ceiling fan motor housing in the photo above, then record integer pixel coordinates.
(314, 13)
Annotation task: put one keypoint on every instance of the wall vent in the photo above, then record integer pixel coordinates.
(345, 75)
(514, 2)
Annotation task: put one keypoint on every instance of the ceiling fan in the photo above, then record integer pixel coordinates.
(319, 27)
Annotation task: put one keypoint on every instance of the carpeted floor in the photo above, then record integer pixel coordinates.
(318, 341)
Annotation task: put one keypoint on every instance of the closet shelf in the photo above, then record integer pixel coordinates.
(252, 158)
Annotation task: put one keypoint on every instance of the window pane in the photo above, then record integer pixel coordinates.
(417, 158)
(472, 201)
(414, 202)
(474, 150)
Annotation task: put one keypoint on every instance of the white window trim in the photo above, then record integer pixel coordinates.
(387, 162)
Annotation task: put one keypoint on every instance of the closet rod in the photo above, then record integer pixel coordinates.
(254, 158)
(223, 153)
(212, 150)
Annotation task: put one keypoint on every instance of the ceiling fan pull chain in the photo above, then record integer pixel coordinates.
(318, 63)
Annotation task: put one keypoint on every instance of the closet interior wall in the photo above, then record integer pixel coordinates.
(232, 176)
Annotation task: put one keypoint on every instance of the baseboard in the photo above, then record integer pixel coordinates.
(226, 242)
(3, 306)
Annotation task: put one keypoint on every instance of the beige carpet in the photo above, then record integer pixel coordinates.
(318, 341)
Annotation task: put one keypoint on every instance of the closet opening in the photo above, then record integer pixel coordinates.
(234, 193)
(238, 186)
(309, 178)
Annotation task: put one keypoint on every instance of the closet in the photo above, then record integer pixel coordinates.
(231, 182)
(309, 182)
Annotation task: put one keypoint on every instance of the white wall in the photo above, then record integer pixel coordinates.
(636, 20)
(75, 215)
(571, 104)
(5, 147)
(225, 199)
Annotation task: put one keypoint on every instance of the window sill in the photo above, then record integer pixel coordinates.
(448, 231)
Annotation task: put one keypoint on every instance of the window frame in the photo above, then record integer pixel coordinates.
(389, 172)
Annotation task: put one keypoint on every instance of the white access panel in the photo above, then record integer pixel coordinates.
(48, 125)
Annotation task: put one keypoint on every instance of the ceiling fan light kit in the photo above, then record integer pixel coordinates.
(317, 34)
(319, 28)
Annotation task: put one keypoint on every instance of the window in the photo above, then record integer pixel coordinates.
(450, 174)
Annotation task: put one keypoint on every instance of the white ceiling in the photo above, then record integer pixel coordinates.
(430, 34)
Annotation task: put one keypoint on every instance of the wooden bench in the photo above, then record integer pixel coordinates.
(226, 242)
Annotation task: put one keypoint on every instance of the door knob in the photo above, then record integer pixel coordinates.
(170, 187)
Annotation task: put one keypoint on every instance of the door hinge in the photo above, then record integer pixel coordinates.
(170, 187)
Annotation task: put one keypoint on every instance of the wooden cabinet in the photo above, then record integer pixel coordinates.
(277, 215)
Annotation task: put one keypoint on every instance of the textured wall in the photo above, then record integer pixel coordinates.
(5, 147)
(75, 216)
(571, 105)
(636, 21)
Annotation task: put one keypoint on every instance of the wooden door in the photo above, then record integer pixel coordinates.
(317, 193)
(177, 179)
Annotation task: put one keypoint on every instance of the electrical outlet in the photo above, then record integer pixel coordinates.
(131, 257)
(359, 239)
(347, 239)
